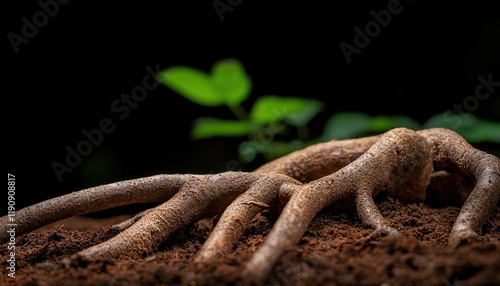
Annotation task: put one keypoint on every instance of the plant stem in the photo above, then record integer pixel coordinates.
(240, 113)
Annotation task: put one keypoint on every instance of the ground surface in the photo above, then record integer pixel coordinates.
(330, 253)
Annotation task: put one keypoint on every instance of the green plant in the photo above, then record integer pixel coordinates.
(228, 84)
(472, 128)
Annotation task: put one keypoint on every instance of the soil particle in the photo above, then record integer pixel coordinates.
(331, 252)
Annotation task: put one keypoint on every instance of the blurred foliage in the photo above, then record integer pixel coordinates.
(228, 84)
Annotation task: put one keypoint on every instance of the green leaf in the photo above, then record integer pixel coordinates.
(295, 111)
(205, 127)
(303, 117)
(485, 131)
(446, 120)
(276, 149)
(472, 128)
(193, 84)
(271, 150)
(232, 81)
(405, 121)
(383, 123)
(346, 125)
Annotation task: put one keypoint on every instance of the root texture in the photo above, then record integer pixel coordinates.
(405, 164)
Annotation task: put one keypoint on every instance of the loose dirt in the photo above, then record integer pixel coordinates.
(331, 252)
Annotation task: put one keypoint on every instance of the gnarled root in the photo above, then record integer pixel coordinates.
(152, 189)
(404, 163)
(451, 152)
(400, 161)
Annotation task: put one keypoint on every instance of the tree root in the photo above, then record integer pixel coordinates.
(400, 160)
(452, 152)
(404, 163)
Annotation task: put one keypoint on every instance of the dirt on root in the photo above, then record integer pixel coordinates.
(331, 252)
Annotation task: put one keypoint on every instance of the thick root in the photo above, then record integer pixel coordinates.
(399, 161)
(404, 163)
(263, 194)
(452, 152)
(158, 188)
(199, 197)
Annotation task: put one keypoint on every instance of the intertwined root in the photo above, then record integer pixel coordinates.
(405, 163)
(399, 161)
(452, 153)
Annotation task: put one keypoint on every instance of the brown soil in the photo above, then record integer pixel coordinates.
(332, 252)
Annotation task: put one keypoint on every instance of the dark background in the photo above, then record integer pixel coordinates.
(64, 79)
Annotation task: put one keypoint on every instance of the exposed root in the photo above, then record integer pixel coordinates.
(407, 167)
(158, 188)
(200, 197)
(451, 151)
(404, 163)
(237, 216)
